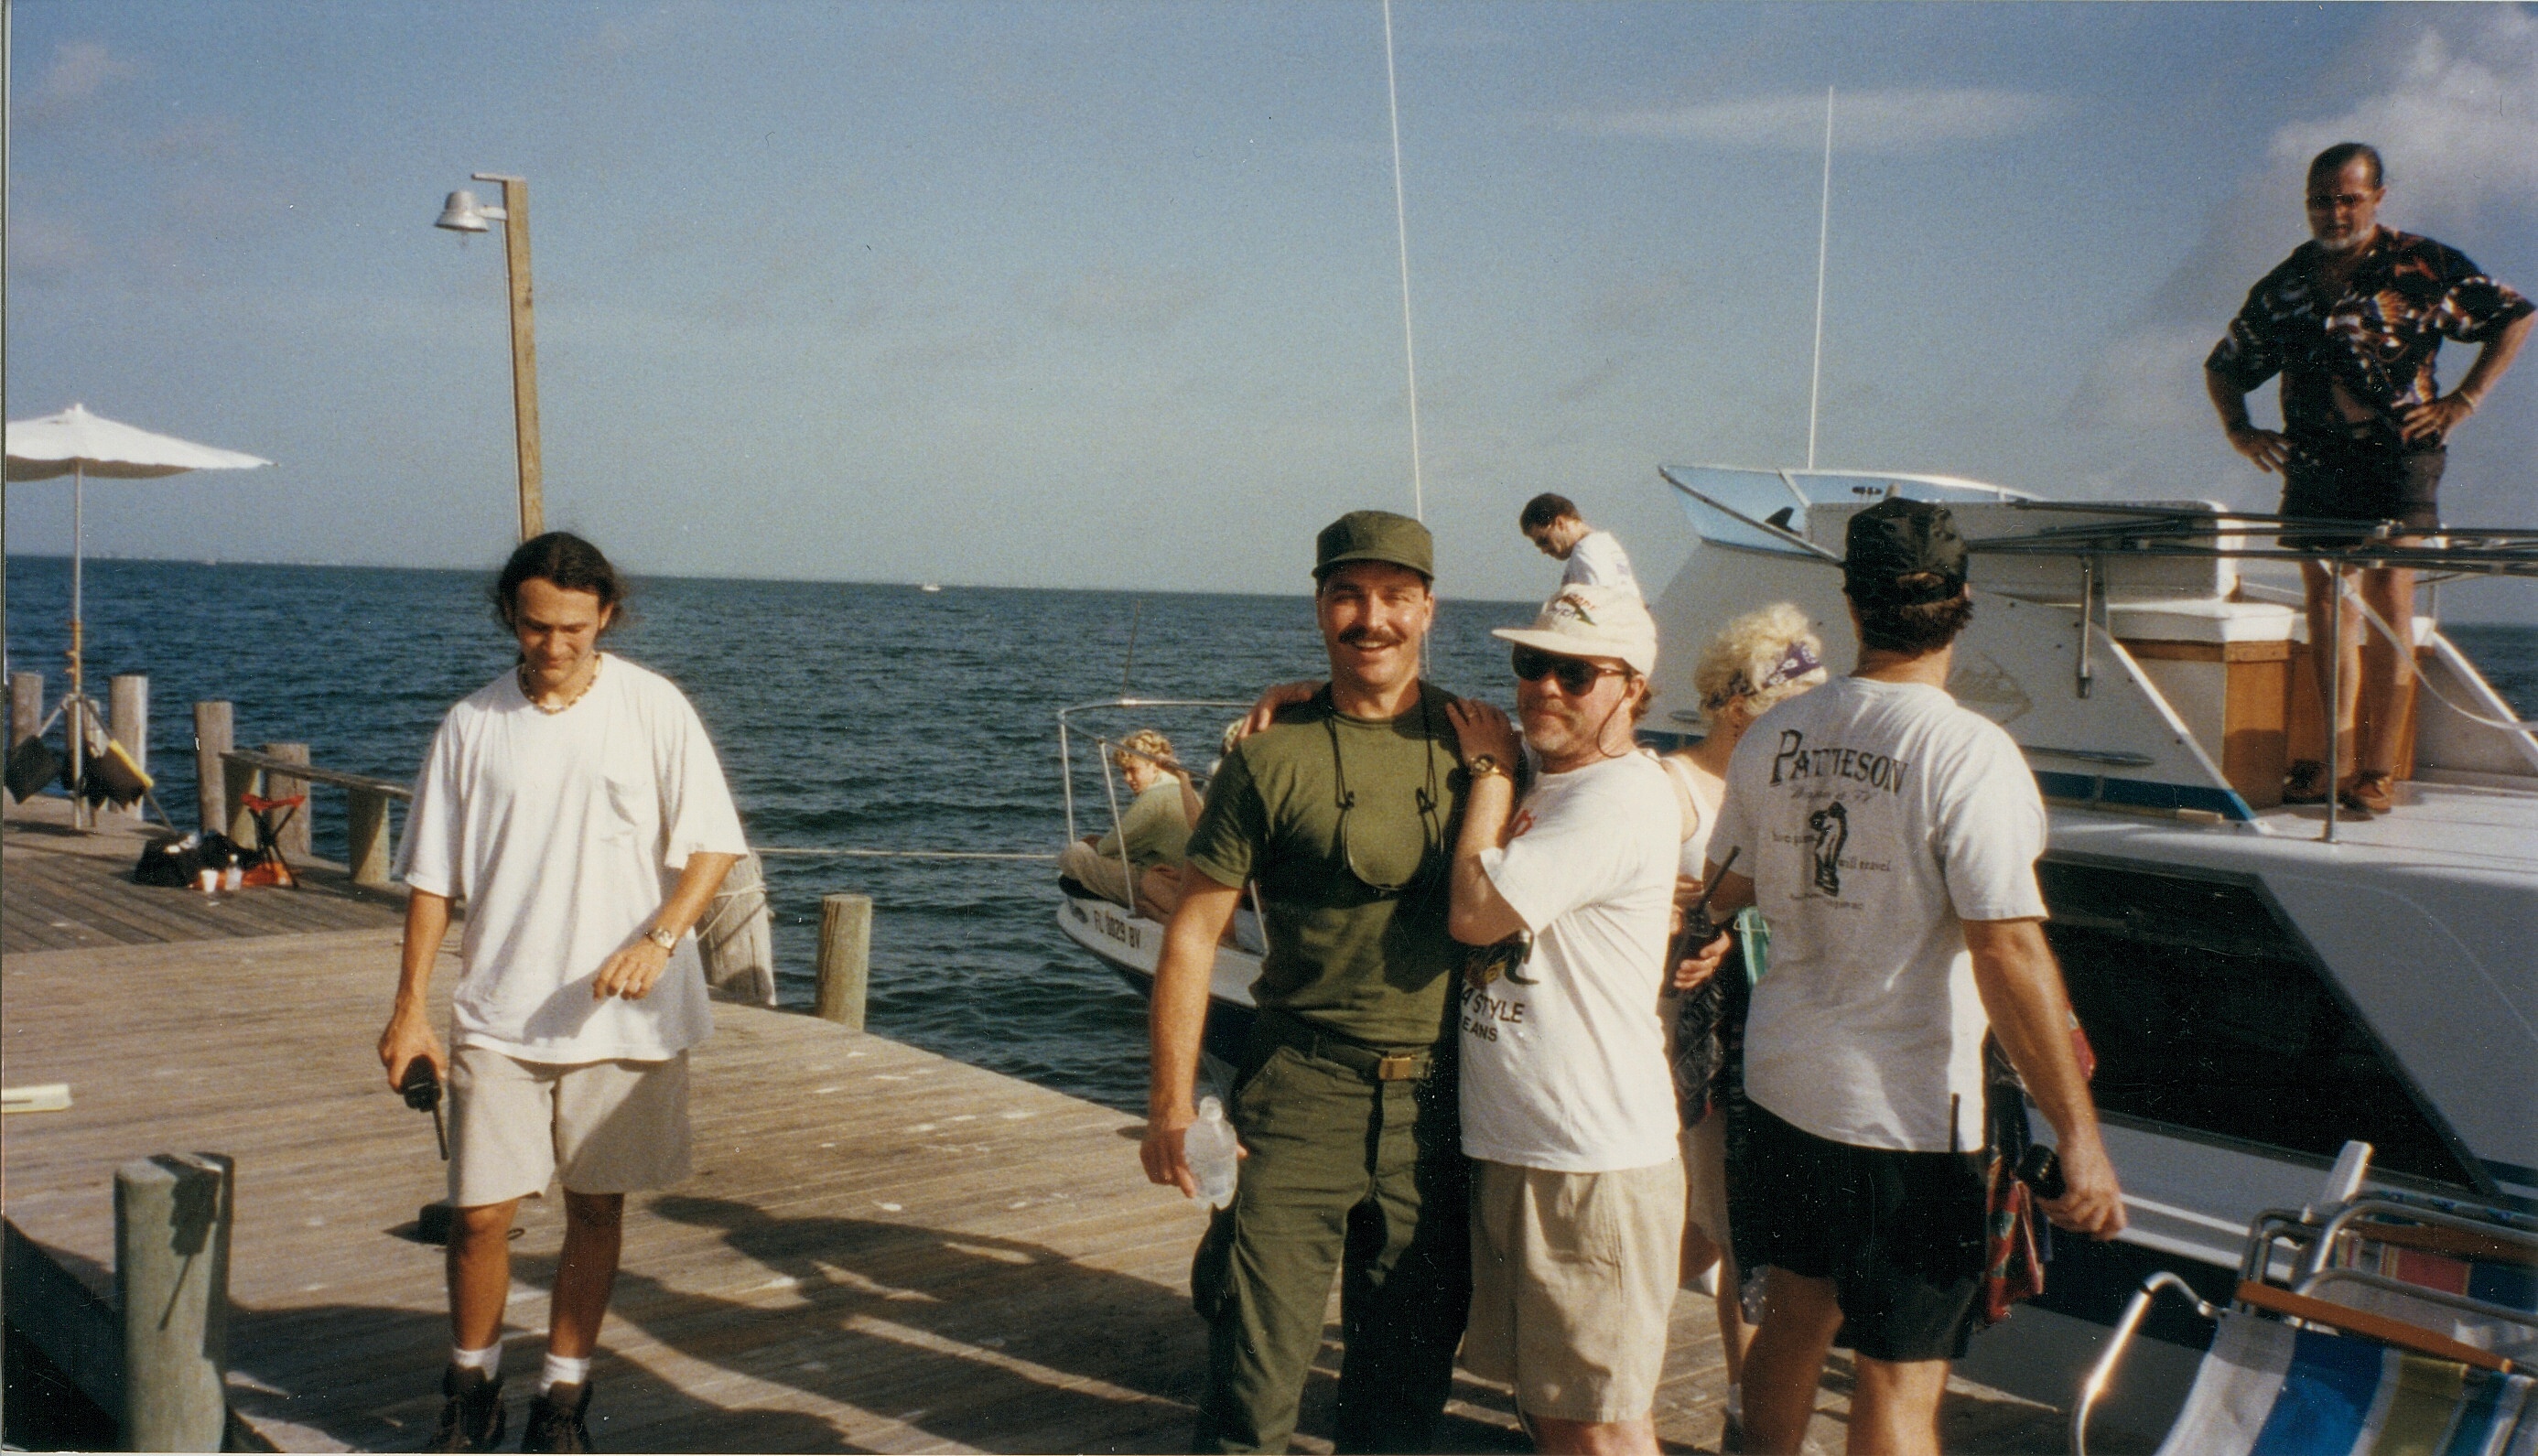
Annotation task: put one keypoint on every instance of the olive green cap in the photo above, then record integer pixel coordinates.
(1374, 536)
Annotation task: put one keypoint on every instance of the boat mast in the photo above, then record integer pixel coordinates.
(1401, 225)
(1824, 233)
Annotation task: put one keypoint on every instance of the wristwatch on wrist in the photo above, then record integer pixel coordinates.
(663, 936)
(1481, 765)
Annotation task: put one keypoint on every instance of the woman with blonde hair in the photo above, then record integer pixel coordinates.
(1138, 864)
(1756, 662)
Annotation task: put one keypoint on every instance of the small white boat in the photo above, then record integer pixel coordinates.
(931, 586)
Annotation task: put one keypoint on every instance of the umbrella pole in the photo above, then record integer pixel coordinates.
(78, 704)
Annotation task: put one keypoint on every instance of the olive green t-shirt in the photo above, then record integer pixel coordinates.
(1346, 951)
(1155, 824)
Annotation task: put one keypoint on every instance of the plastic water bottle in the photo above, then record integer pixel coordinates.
(1208, 1145)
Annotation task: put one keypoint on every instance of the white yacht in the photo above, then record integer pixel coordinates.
(2260, 983)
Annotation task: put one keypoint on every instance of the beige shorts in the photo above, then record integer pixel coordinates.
(1573, 1283)
(1704, 1173)
(608, 1127)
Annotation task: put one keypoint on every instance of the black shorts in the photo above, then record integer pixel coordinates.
(1900, 1234)
(2370, 478)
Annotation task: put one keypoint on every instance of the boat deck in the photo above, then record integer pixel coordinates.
(880, 1250)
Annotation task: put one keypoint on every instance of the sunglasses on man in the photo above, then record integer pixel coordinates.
(1576, 676)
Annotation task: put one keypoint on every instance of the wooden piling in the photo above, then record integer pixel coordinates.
(845, 957)
(213, 736)
(172, 1279)
(127, 718)
(295, 840)
(365, 823)
(25, 707)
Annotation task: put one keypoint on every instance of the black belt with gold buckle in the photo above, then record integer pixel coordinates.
(1373, 1063)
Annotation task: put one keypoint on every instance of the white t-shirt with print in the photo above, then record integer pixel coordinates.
(1872, 817)
(1597, 560)
(564, 833)
(1563, 1064)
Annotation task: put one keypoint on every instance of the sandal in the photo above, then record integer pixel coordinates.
(2305, 782)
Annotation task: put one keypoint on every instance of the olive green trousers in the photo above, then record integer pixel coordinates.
(1345, 1173)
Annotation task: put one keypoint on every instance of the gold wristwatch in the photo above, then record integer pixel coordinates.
(663, 936)
(1481, 765)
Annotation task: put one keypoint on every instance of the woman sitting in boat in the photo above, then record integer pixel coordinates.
(1755, 663)
(1154, 830)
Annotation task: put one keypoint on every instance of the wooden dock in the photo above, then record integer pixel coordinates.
(880, 1250)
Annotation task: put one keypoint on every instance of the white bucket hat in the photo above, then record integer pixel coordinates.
(1592, 622)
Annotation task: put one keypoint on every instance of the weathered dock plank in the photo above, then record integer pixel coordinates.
(881, 1249)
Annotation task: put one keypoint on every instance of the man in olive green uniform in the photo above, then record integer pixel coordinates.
(1344, 813)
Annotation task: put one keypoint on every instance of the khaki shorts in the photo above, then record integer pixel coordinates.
(1573, 1283)
(609, 1127)
(1704, 1169)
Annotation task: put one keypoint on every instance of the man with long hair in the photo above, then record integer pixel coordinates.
(577, 807)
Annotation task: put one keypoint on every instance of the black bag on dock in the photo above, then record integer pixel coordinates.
(32, 765)
(175, 861)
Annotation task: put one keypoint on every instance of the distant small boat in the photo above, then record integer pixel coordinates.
(931, 586)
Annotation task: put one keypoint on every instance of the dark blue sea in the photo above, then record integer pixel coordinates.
(848, 716)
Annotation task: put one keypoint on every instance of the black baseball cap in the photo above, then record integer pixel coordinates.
(1905, 552)
(1374, 536)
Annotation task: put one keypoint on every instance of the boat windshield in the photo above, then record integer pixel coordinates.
(1715, 496)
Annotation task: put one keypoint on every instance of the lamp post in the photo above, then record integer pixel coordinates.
(462, 214)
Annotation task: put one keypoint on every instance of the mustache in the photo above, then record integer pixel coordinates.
(1370, 637)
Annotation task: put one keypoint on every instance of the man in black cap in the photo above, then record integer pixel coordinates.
(1889, 836)
(1343, 812)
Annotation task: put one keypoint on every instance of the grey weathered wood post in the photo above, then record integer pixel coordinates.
(365, 823)
(172, 1281)
(127, 718)
(845, 957)
(25, 707)
(294, 836)
(213, 730)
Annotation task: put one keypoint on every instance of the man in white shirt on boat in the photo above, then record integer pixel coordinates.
(1889, 836)
(1596, 557)
(558, 801)
(1568, 1108)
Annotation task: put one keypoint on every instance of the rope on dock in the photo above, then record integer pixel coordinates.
(910, 853)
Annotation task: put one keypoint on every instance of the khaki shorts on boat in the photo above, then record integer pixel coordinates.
(608, 1127)
(1572, 1282)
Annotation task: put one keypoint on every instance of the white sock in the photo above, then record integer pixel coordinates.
(1736, 1404)
(563, 1370)
(487, 1359)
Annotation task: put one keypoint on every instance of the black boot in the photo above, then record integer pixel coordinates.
(471, 1417)
(554, 1420)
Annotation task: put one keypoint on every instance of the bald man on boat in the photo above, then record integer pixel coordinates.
(1343, 812)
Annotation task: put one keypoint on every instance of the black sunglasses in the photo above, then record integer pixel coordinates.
(1575, 674)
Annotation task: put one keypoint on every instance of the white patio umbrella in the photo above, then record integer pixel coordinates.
(80, 445)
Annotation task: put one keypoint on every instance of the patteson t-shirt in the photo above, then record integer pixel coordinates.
(1564, 1058)
(1872, 817)
(564, 833)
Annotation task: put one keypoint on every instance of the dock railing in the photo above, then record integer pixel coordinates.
(281, 771)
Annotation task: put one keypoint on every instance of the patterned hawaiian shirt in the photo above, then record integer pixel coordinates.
(2377, 338)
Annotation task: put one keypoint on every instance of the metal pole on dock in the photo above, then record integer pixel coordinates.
(214, 727)
(845, 957)
(127, 719)
(172, 1281)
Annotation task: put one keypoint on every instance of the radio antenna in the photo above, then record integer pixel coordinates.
(1824, 233)
(1401, 225)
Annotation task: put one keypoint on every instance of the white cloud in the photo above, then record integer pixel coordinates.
(79, 70)
(1900, 119)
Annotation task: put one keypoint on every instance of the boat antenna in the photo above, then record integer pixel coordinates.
(1136, 614)
(1401, 225)
(1824, 233)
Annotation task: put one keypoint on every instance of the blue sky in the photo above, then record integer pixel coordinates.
(1106, 295)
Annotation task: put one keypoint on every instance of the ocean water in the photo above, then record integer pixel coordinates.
(848, 716)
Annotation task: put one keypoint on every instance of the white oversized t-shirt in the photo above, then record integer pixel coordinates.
(1597, 560)
(564, 833)
(1563, 1061)
(1872, 817)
